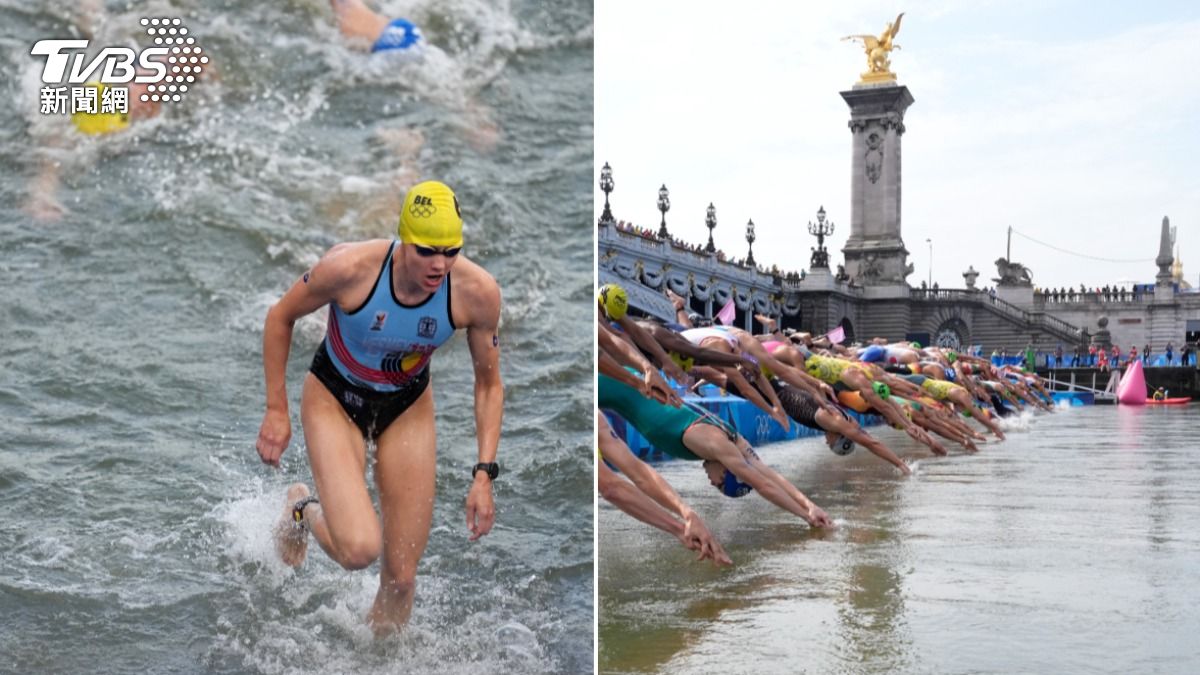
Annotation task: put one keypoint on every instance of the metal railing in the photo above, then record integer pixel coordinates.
(1040, 320)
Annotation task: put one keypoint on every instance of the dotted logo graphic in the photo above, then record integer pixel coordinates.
(422, 207)
(185, 62)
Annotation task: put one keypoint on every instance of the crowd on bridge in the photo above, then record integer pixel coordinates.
(721, 256)
(1105, 293)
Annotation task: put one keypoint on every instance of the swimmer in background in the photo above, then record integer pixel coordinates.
(59, 145)
(402, 40)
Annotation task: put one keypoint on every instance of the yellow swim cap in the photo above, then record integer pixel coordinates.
(614, 301)
(430, 216)
(97, 123)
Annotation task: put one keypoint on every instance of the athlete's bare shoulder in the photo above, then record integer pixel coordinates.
(476, 293)
(351, 261)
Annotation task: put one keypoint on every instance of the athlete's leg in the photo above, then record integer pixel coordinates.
(344, 523)
(356, 20)
(405, 468)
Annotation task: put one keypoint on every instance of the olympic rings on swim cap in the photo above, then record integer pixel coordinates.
(732, 487)
(613, 300)
(882, 390)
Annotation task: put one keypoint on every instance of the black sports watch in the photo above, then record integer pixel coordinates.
(492, 469)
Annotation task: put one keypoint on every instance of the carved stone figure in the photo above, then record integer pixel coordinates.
(1012, 273)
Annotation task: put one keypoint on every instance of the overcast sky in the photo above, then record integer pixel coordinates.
(1076, 125)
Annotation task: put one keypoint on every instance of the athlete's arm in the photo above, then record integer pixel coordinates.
(694, 534)
(627, 354)
(647, 344)
(483, 339)
(317, 288)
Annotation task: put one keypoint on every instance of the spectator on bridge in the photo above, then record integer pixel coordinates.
(1170, 352)
(1133, 354)
(1146, 354)
(1078, 356)
(1116, 356)
(1185, 357)
(1102, 360)
(992, 294)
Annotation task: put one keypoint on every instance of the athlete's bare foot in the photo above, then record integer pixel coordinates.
(291, 540)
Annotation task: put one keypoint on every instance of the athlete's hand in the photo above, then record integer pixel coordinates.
(697, 537)
(273, 436)
(818, 518)
(481, 512)
(782, 418)
(674, 372)
(660, 390)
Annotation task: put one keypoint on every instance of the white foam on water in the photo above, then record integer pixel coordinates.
(1019, 422)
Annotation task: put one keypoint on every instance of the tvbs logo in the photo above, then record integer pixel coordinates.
(162, 72)
(117, 63)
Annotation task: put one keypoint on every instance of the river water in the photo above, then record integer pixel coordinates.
(137, 513)
(1070, 548)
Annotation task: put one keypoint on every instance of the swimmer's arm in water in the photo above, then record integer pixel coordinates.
(482, 296)
(321, 285)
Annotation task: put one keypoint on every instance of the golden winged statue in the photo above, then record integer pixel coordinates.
(877, 49)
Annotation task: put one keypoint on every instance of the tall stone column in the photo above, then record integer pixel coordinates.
(875, 253)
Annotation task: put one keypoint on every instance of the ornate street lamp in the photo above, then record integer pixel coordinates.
(930, 242)
(664, 205)
(820, 230)
(710, 221)
(750, 240)
(606, 184)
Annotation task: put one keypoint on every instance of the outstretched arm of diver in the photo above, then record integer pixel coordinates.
(695, 534)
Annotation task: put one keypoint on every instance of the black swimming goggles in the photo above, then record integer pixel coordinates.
(430, 251)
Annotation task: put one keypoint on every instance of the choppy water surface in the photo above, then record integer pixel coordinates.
(136, 535)
(1070, 548)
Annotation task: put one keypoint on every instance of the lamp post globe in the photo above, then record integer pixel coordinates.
(664, 205)
(750, 240)
(710, 221)
(820, 230)
(606, 184)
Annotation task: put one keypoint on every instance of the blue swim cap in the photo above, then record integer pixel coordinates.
(732, 487)
(399, 34)
(872, 354)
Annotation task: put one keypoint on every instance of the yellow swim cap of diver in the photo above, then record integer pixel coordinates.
(614, 301)
(97, 123)
(430, 216)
